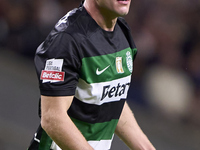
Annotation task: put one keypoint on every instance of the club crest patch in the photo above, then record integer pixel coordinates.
(129, 61)
(53, 71)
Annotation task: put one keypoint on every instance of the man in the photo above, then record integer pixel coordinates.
(84, 68)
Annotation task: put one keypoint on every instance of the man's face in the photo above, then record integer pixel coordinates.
(114, 8)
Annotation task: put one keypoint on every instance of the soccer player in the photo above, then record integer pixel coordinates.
(84, 68)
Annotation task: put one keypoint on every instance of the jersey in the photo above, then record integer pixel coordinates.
(80, 58)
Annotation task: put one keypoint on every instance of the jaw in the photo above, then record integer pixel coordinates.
(123, 7)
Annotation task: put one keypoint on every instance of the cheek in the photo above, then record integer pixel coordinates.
(103, 3)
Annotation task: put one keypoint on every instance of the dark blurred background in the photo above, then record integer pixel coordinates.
(165, 90)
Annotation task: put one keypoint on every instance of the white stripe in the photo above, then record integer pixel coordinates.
(97, 145)
(54, 146)
(92, 93)
(101, 145)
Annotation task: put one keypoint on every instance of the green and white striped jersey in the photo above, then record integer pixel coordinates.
(79, 58)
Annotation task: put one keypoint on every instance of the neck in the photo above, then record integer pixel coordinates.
(106, 22)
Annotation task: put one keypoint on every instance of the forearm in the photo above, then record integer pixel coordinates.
(64, 133)
(58, 125)
(130, 132)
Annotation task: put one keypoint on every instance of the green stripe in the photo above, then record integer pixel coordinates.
(97, 131)
(90, 65)
(45, 141)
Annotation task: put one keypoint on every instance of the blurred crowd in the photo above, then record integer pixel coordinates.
(166, 33)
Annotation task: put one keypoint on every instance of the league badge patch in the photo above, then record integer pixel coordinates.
(53, 71)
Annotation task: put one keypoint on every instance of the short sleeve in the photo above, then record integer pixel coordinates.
(58, 63)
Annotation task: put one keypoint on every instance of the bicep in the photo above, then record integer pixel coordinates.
(53, 105)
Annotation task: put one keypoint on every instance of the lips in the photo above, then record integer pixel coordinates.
(123, 1)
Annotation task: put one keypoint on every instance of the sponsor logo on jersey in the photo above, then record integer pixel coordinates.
(119, 65)
(100, 72)
(129, 61)
(114, 91)
(52, 75)
(53, 71)
(103, 92)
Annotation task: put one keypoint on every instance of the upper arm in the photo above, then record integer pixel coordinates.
(55, 102)
(54, 106)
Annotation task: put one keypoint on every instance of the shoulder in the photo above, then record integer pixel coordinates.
(70, 20)
(66, 29)
(77, 24)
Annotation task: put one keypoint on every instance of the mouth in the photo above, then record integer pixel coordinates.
(125, 2)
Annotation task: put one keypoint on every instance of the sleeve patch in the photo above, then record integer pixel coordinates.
(53, 71)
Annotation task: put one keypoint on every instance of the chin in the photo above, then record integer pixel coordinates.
(123, 12)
